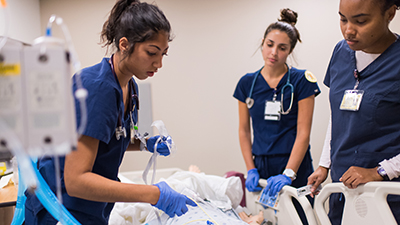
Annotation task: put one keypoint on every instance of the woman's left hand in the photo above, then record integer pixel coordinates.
(355, 176)
(276, 183)
(162, 146)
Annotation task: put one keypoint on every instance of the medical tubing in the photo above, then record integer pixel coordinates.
(6, 24)
(80, 93)
(155, 159)
(19, 213)
(152, 160)
(283, 112)
(212, 220)
(15, 146)
(51, 203)
(32, 178)
(49, 25)
(58, 186)
(254, 82)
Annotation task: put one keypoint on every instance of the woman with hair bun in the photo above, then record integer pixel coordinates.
(279, 100)
(363, 138)
(140, 33)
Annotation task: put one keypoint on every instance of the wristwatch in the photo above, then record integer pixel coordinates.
(383, 173)
(290, 173)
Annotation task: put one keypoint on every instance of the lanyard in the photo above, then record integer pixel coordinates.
(357, 76)
(352, 98)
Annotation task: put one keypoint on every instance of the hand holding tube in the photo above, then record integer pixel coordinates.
(276, 183)
(162, 145)
(171, 202)
(252, 180)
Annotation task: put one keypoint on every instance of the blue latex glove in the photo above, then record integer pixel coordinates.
(171, 202)
(252, 180)
(276, 183)
(162, 147)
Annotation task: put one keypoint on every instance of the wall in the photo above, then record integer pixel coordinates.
(23, 20)
(216, 42)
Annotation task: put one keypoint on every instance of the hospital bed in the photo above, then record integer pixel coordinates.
(365, 205)
(285, 213)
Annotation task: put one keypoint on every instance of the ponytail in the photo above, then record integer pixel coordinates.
(136, 21)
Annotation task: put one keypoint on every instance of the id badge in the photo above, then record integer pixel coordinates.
(351, 100)
(272, 110)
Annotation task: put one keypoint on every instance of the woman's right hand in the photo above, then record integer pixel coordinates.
(171, 202)
(316, 178)
(252, 180)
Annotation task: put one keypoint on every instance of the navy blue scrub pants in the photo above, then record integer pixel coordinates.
(271, 165)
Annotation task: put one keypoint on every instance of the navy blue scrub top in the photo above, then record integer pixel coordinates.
(365, 137)
(274, 137)
(104, 104)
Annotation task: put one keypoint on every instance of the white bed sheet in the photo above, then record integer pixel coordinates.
(224, 193)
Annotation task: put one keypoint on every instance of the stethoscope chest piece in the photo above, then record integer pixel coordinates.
(249, 102)
(120, 131)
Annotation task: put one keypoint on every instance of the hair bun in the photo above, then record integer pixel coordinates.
(132, 2)
(288, 16)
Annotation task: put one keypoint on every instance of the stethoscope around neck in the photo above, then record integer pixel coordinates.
(250, 100)
(120, 130)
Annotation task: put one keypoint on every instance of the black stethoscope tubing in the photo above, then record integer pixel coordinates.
(120, 130)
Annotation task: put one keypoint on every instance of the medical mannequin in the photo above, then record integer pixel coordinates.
(140, 33)
(363, 140)
(280, 151)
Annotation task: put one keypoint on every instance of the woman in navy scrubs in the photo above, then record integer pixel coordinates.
(140, 32)
(280, 151)
(365, 133)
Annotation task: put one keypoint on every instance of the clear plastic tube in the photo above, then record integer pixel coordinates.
(19, 213)
(51, 203)
(80, 93)
(58, 186)
(33, 180)
(24, 162)
(162, 130)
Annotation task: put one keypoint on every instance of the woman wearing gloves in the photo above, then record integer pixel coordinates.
(362, 143)
(140, 33)
(281, 127)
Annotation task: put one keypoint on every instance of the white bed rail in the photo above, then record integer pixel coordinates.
(364, 205)
(286, 213)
